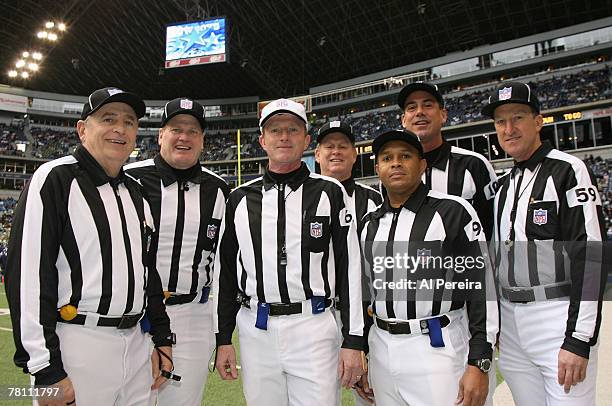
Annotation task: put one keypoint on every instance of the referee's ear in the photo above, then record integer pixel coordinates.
(422, 166)
(80, 127)
(539, 121)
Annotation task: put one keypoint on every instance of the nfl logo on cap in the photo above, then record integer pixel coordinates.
(540, 217)
(186, 104)
(505, 93)
(316, 230)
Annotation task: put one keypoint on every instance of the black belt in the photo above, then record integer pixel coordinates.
(188, 298)
(126, 321)
(527, 295)
(283, 309)
(180, 299)
(403, 327)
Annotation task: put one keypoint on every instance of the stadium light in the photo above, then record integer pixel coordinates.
(33, 66)
(52, 37)
(25, 54)
(12, 73)
(20, 63)
(25, 75)
(49, 24)
(37, 56)
(61, 27)
(42, 34)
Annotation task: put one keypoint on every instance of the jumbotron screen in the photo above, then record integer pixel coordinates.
(196, 43)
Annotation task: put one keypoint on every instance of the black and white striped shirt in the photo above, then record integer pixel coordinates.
(187, 214)
(78, 238)
(467, 174)
(548, 233)
(362, 198)
(321, 257)
(433, 225)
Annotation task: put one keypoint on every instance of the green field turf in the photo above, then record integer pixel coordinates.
(218, 392)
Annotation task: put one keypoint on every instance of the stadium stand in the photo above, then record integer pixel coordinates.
(49, 143)
(601, 170)
(9, 135)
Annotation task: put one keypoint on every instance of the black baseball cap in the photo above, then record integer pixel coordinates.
(511, 92)
(397, 135)
(112, 94)
(336, 127)
(413, 87)
(183, 105)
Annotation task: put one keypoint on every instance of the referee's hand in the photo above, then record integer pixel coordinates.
(350, 367)
(159, 362)
(571, 369)
(473, 387)
(226, 362)
(65, 389)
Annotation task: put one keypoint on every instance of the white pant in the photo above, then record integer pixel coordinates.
(195, 342)
(529, 343)
(294, 362)
(407, 370)
(107, 366)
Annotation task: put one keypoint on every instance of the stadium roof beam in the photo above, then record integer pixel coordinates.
(279, 38)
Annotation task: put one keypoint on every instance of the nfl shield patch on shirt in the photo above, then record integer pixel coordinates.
(540, 217)
(211, 231)
(316, 229)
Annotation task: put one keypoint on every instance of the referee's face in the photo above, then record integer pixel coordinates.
(336, 155)
(518, 130)
(424, 116)
(399, 168)
(181, 141)
(109, 135)
(284, 139)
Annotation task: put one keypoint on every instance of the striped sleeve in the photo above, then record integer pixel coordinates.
(486, 187)
(582, 233)
(225, 277)
(32, 278)
(481, 304)
(348, 272)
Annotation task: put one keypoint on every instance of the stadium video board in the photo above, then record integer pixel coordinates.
(196, 42)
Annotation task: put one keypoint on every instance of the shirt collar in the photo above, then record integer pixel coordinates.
(168, 176)
(442, 158)
(294, 182)
(349, 185)
(414, 202)
(94, 169)
(537, 157)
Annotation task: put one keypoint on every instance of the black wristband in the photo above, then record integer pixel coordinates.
(165, 341)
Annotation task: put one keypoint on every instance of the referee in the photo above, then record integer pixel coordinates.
(456, 171)
(288, 246)
(79, 276)
(188, 202)
(549, 260)
(336, 155)
(429, 317)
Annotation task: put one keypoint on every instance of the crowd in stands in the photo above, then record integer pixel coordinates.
(556, 91)
(602, 170)
(6, 218)
(51, 144)
(9, 136)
